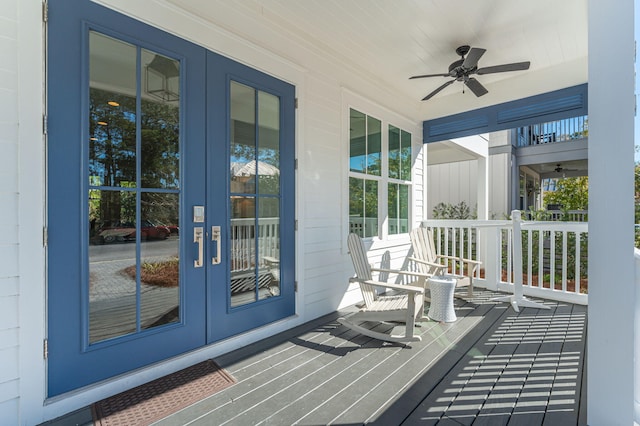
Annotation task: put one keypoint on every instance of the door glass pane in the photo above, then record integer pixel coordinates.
(112, 264)
(160, 260)
(243, 139)
(133, 254)
(160, 122)
(243, 250)
(268, 143)
(269, 247)
(112, 111)
(255, 215)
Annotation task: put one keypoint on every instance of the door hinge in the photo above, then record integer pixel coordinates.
(295, 103)
(45, 348)
(45, 11)
(295, 164)
(295, 225)
(45, 124)
(295, 286)
(45, 236)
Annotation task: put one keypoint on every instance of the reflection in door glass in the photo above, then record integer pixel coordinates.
(269, 246)
(243, 139)
(134, 189)
(255, 210)
(268, 170)
(243, 250)
(160, 262)
(112, 264)
(112, 112)
(160, 154)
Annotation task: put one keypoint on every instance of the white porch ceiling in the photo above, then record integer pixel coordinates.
(393, 40)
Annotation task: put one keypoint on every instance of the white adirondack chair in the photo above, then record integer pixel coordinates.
(429, 262)
(405, 306)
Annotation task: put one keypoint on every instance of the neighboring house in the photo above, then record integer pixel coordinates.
(118, 111)
(523, 163)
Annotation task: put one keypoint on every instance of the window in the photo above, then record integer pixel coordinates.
(379, 176)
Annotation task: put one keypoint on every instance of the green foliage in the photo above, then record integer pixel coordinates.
(571, 193)
(454, 211)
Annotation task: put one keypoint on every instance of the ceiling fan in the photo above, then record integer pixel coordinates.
(461, 69)
(563, 170)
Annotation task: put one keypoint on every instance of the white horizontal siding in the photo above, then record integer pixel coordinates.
(9, 208)
(323, 265)
(9, 408)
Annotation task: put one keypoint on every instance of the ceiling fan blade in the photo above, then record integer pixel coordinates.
(435, 92)
(473, 57)
(516, 66)
(475, 86)
(429, 75)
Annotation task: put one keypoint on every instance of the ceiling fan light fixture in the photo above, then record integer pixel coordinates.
(467, 65)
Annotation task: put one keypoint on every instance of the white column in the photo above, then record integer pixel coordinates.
(483, 189)
(610, 378)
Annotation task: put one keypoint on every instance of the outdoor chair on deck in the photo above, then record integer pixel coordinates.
(429, 262)
(405, 306)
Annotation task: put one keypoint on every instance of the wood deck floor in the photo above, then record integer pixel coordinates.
(492, 366)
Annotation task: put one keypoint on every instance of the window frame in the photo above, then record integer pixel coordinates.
(352, 101)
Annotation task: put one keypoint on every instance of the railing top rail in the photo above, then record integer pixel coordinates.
(545, 225)
(460, 223)
(557, 226)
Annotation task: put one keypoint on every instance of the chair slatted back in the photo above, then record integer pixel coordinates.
(424, 248)
(361, 265)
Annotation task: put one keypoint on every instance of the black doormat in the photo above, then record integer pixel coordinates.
(159, 398)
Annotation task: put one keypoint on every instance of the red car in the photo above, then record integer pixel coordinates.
(126, 231)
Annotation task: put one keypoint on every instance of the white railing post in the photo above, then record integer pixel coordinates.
(518, 300)
(491, 261)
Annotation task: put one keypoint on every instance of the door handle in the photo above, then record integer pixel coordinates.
(198, 237)
(215, 237)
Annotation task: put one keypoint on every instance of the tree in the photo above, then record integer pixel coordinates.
(570, 193)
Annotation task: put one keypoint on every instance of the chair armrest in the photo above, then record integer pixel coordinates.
(397, 287)
(402, 272)
(425, 262)
(460, 259)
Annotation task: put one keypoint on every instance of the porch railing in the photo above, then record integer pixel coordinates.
(553, 131)
(554, 255)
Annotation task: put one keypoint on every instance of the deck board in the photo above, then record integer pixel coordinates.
(492, 366)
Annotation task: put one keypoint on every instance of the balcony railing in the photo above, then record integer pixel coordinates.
(554, 255)
(553, 131)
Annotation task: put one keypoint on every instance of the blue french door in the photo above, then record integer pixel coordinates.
(170, 196)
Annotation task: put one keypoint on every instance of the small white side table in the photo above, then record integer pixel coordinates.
(442, 288)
